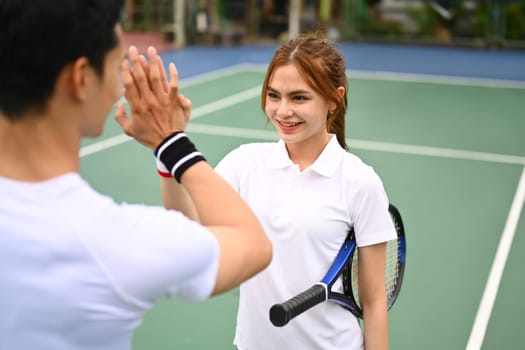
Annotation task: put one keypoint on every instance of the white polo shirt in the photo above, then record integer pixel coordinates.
(307, 216)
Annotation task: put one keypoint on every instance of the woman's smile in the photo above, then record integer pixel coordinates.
(287, 126)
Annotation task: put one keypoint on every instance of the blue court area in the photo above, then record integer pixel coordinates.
(445, 130)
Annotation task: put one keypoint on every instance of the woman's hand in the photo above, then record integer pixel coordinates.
(157, 109)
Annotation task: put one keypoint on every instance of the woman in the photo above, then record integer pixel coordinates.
(307, 191)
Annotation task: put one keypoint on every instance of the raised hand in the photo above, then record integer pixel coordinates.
(157, 109)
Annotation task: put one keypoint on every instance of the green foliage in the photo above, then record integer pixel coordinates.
(388, 28)
(515, 22)
(481, 23)
(367, 24)
(425, 18)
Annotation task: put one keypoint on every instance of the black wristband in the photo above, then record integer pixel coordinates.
(177, 153)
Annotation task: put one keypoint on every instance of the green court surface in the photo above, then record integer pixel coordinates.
(451, 153)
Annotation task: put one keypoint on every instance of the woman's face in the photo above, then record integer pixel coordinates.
(294, 108)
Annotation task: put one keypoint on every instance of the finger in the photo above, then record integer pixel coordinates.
(164, 77)
(185, 104)
(139, 74)
(122, 118)
(144, 64)
(155, 75)
(146, 67)
(130, 91)
(174, 81)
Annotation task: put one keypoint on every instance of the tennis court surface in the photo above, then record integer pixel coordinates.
(445, 130)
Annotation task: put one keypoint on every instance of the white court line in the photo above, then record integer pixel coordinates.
(217, 74)
(196, 113)
(367, 145)
(104, 144)
(266, 135)
(418, 78)
(358, 144)
(477, 335)
(437, 79)
(226, 102)
(213, 75)
(435, 151)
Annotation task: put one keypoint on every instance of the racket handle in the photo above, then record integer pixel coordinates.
(281, 314)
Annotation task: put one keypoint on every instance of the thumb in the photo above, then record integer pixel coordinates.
(185, 104)
(122, 118)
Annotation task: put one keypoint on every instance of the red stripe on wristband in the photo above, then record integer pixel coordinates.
(176, 154)
(163, 174)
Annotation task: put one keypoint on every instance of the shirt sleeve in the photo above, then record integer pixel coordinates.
(372, 222)
(149, 253)
(229, 168)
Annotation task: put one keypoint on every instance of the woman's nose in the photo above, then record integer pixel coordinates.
(283, 108)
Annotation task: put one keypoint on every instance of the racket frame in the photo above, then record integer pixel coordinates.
(348, 290)
(281, 314)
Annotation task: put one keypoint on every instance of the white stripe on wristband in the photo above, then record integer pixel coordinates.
(183, 160)
(175, 155)
(170, 141)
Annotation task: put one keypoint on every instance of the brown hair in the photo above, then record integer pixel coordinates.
(323, 68)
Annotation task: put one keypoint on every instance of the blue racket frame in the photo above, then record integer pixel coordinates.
(281, 314)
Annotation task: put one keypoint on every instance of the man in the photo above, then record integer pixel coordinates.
(77, 270)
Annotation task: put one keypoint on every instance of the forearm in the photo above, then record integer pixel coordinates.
(175, 196)
(245, 249)
(375, 323)
(372, 296)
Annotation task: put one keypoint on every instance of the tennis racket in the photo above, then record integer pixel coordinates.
(346, 266)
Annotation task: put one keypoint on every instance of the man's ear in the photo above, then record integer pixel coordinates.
(80, 78)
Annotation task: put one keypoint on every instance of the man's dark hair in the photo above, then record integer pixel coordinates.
(38, 38)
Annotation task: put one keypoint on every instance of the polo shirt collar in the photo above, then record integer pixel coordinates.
(279, 158)
(326, 164)
(330, 158)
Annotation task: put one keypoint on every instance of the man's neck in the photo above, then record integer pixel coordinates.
(37, 147)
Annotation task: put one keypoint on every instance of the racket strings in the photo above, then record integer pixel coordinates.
(392, 272)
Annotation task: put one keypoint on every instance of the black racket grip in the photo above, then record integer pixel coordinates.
(281, 314)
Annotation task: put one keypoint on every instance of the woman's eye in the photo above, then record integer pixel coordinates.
(273, 95)
(300, 98)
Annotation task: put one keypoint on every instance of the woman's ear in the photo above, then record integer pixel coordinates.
(333, 106)
(341, 91)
